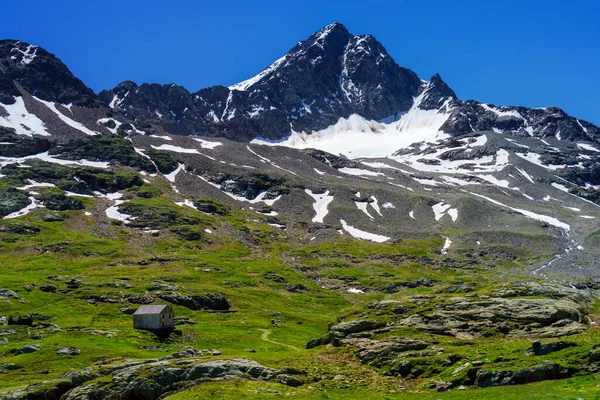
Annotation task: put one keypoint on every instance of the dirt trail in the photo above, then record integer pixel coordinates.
(265, 337)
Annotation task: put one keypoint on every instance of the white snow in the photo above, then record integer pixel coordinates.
(357, 233)
(207, 230)
(501, 113)
(560, 187)
(26, 210)
(319, 172)
(587, 216)
(72, 194)
(356, 137)
(113, 213)
(538, 217)
(525, 174)
(495, 181)
(493, 163)
(28, 55)
(48, 158)
(103, 121)
(381, 165)
(587, 147)
(534, 158)
(582, 127)
(171, 177)
(388, 205)
(21, 120)
(266, 160)
(375, 205)
(320, 205)
(175, 149)
(72, 123)
(458, 181)
(355, 291)
(187, 203)
(358, 171)
(362, 206)
(513, 141)
(572, 208)
(161, 137)
(412, 214)
(453, 213)
(425, 181)
(441, 209)
(447, 243)
(205, 144)
(33, 184)
(242, 86)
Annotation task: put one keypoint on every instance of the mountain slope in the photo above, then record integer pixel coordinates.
(381, 237)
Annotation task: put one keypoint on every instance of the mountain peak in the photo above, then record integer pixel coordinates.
(40, 72)
(333, 27)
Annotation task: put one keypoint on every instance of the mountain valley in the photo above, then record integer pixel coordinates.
(334, 227)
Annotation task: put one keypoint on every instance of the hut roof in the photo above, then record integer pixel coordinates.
(153, 309)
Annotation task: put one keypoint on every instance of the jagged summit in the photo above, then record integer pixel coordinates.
(331, 76)
(40, 72)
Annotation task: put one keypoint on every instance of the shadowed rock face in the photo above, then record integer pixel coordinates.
(330, 75)
(41, 73)
(152, 379)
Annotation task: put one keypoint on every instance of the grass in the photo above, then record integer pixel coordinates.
(253, 265)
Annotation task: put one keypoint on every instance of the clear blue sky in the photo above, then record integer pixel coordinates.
(529, 52)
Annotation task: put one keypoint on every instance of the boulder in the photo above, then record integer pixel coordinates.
(48, 217)
(540, 349)
(28, 348)
(206, 301)
(68, 351)
(594, 354)
(356, 326)
(537, 373)
(6, 294)
(289, 380)
(378, 352)
(46, 287)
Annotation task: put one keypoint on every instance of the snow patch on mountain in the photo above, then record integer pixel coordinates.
(359, 234)
(26, 210)
(356, 137)
(538, 217)
(72, 123)
(320, 205)
(23, 122)
(244, 85)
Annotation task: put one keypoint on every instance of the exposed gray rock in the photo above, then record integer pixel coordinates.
(150, 379)
(541, 372)
(68, 351)
(594, 354)
(377, 352)
(28, 348)
(356, 326)
(6, 294)
(46, 287)
(206, 301)
(540, 349)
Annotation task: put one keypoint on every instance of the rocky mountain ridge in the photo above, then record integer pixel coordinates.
(388, 239)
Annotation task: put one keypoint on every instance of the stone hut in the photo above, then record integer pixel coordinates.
(154, 318)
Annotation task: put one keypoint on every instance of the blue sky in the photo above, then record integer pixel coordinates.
(529, 52)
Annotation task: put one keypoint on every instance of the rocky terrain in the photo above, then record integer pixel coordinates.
(334, 225)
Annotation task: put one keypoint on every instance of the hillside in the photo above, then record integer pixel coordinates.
(334, 226)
